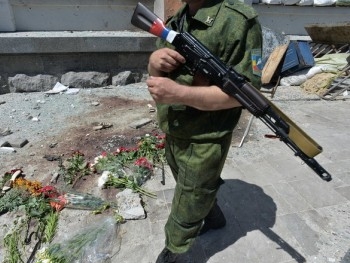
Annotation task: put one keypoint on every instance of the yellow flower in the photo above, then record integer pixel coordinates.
(32, 187)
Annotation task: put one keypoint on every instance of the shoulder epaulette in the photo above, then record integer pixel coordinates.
(242, 8)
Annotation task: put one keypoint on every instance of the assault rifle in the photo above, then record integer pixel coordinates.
(199, 58)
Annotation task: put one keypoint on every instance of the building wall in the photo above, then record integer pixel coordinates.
(114, 15)
(291, 20)
(44, 15)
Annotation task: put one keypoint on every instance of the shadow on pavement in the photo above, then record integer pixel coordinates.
(246, 208)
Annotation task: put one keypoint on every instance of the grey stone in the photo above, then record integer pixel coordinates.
(7, 149)
(4, 88)
(4, 143)
(25, 83)
(5, 132)
(123, 78)
(140, 123)
(129, 205)
(17, 142)
(91, 79)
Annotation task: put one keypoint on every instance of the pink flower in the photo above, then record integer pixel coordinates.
(160, 136)
(143, 162)
(160, 145)
(58, 203)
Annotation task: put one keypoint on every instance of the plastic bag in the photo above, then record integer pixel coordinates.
(106, 244)
(290, 2)
(272, 2)
(324, 2)
(293, 80)
(337, 61)
(305, 2)
(96, 243)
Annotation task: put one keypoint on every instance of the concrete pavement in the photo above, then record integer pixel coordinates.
(278, 210)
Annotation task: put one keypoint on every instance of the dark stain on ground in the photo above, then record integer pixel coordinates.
(111, 110)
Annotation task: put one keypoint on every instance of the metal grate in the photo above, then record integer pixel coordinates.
(341, 84)
(319, 50)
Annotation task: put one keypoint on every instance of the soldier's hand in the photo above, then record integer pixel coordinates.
(164, 90)
(164, 60)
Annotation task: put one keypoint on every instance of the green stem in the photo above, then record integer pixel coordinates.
(124, 182)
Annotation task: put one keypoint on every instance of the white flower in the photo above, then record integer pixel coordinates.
(97, 159)
(103, 179)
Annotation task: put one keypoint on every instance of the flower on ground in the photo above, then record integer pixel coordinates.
(143, 162)
(49, 191)
(33, 187)
(58, 203)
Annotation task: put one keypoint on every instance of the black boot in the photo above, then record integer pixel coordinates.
(214, 220)
(166, 256)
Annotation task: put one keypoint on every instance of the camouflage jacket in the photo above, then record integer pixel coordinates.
(231, 31)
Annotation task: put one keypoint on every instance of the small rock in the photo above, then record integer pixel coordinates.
(5, 132)
(7, 149)
(82, 80)
(129, 205)
(4, 143)
(53, 145)
(17, 142)
(52, 157)
(123, 78)
(102, 125)
(24, 83)
(97, 128)
(140, 123)
(106, 124)
(54, 178)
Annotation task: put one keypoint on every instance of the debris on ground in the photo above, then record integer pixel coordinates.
(126, 170)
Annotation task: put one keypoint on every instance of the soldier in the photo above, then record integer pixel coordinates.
(197, 116)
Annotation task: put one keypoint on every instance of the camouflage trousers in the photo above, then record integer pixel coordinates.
(196, 167)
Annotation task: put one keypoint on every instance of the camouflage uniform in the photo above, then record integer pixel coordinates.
(198, 141)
